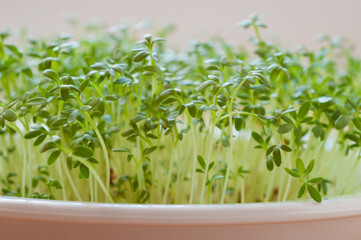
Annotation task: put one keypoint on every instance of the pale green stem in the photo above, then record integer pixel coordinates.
(169, 177)
(194, 167)
(210, 145)
(24, 171)
(29, 152)
(72, 185)
(62, 180)
(270, 186)
(15, 128)
(243, 191)
(104, 101)
(58, 162)
(288, 183)
(92, 170)
(257, 32)
(102, 144)
(91, 188)
(95, 191)
(139, 164)
(230, 157)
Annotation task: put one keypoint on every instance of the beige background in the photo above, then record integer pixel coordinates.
(296, 22)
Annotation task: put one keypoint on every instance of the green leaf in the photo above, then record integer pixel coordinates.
(306, 119)
(123, 80)
(98, 66)
(155, 57)
(269, 163)
(13, 49)
(93, 160)
(191, 109)
(35, 181)
(275, 73)
(84, 84)
(33, 134)
(297, 133)
(84, 170)
(151, 68)
(59, 122)
(310, 167)
(302, 112)
(301, 191)
(258, 138)
(10, 193)
(47, 146)
(201, 161)
(239, 123)
(141, 56)
(69, 161)
(227, 84)
(284, 75)
(316, 180)
(152, 136)
(270, 149)
(147, 151)
(205, 85)
(342, 109)
(318, 132)
(121, 149)
(277, 156)
(52, 75)
(352, 137)
(300, 166)
(210, 166)
(73, 115)
(127, 133)
(293, 173)
(36, 101)
(285, 118)
(130, 157)
(64, 92)
(85, 108)
(54, 183)
(324, 100)
(285, 128)
(53, 157)
(76, 164)
(285, 148)
(39, 140)
(357, 122)
(2, 121)
(83, 151)
(245, 24)
(148, 37)
(9, 115)
(217, 177)
(342, 122)
(111, 98)
(314, 193)
(56, 87)
(158, 39)
(166, 93)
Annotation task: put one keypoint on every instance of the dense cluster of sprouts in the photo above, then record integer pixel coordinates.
(109, 119)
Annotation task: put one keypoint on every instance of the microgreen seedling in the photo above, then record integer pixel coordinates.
(302, 173)
(111, 119)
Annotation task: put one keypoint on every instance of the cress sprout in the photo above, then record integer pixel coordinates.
(108, 118)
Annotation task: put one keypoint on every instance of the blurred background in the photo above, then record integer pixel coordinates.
(290, 23)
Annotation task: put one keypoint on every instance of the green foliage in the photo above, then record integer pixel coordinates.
(303, 173)
(108, 119)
